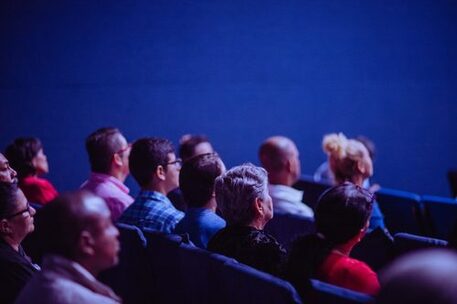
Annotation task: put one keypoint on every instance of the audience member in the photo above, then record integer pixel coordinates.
(242, 197)
(155, 167)
(189, 146)
(7, 174)
(16, 221)
(421, 277)
(109, 152)
(80, 242)
(26, 156)
(279, 156)
(350, 161)
(196, 180)
(192, 145)
(342, 216)
(325, 174)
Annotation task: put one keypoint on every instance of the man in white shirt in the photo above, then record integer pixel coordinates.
(279, 156)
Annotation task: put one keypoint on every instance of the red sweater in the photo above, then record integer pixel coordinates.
(349, 273)
(38, 190)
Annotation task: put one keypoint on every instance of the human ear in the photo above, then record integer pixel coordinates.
(160, 172)
(117, 159)
(86, 243)
(5, 227)
(258, 205)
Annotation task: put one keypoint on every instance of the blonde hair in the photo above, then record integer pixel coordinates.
(344, 155)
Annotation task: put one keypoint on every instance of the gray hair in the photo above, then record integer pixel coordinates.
(236, 191)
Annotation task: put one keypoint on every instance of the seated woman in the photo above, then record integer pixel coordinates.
(243, 199)
(342, 217)
(350, 161)
(16, 221)
(27, 158)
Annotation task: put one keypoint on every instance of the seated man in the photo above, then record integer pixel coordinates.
(80, 242)
(7, 174)
(279, 156)
(155, 167)
(196, 180)
(108, 152)
(189, 146)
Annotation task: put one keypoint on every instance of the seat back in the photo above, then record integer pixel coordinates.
(131, 278)
(402, 211)
(311, 189)
(187, 274)
(441, 214)
(286, 227)
(239, 283)
(405, 243)
(330, 294)
(452, 178)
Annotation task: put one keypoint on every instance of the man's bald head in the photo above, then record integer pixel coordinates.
(63, 220)
(279, 156)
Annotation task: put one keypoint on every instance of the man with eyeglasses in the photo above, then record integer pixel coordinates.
(154, 166)
(16, 222)
(108, 152)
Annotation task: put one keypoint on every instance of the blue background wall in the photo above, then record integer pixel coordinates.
(237, 71)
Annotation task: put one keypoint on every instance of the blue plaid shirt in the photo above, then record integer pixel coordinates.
(152, 210)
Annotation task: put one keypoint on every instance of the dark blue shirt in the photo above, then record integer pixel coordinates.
(201, 224)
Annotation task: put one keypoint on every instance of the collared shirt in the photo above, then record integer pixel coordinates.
(152, 210)
(63, 281)
(112, 190)
(201, 224)
(287, 200)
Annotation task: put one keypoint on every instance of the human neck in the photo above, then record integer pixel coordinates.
(13, 243)
(156, 188)
(118, 174)
(281, 178)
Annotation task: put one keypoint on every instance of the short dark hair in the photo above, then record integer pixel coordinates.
(8, 198)
(197, 176)
(188, 143)
(20, 154)
(61, 222)
(342, 211)
(101, 146)
(146, 155)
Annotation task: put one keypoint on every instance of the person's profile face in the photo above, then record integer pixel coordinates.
(21, 219)
(40, 162)
(172, 173)
(203, 148)
(7, 174)
(295, 160)
(106, 243)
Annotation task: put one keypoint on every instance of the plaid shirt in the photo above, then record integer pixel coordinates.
(152, 210)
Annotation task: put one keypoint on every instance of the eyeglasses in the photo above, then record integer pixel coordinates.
(27, 209)
(177, 162)
(123, 149)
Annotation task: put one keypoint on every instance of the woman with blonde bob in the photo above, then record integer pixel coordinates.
(350, 161)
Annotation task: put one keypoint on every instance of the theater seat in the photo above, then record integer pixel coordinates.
(286, 227)
(405, 243)
(311, 189)
(441, 213)
(131, 278)
(402, 211)
(331, 294)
